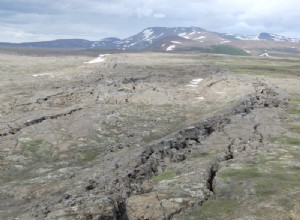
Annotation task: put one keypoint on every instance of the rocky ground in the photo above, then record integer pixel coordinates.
(148, 136)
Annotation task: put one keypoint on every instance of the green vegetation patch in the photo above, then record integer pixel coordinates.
(218, 208)
(34, 146)
(268, 177)
(295, 98)
(90, 155)
(287, 140)
(244, 173)
(295, 128)
(166, 175)
(271, 68)
(295, 111)
(226, 208)
(276, 182)
(40, 150)
(227, 49)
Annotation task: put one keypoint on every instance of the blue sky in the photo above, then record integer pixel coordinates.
(37, 20)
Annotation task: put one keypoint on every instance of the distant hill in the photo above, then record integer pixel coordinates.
(180, 39)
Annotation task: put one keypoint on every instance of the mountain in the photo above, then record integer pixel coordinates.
(69, 43)
(179, 39)
(262, 37)
(106, 43)
(150, 36)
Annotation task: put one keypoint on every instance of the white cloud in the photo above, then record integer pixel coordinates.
(159, 15)
(17, 35)
(144, 12)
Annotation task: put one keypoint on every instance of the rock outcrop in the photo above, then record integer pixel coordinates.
(132, 194)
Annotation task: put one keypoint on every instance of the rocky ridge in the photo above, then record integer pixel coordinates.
(131, 194)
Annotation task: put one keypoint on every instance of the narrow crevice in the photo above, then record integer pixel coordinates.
(121, 214)
(43, 118)
(212, 172)
(261, 138)
(35, 121)
(214, 168)
(229, 152)
(13, 131)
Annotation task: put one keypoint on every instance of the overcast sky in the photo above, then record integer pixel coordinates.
(37, 20)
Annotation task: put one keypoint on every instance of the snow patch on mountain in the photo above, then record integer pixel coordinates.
(294, 40)
(279, 38)
(176, 42)
(192, 33)
(132, 44)
(186, 35)
(275, 37)
(225, 41)
(182, 34)
(200, 38)
(170, 48)
(261, 37)
(249, 37)
(147, 33)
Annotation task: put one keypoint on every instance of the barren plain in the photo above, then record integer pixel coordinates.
(149, 136)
